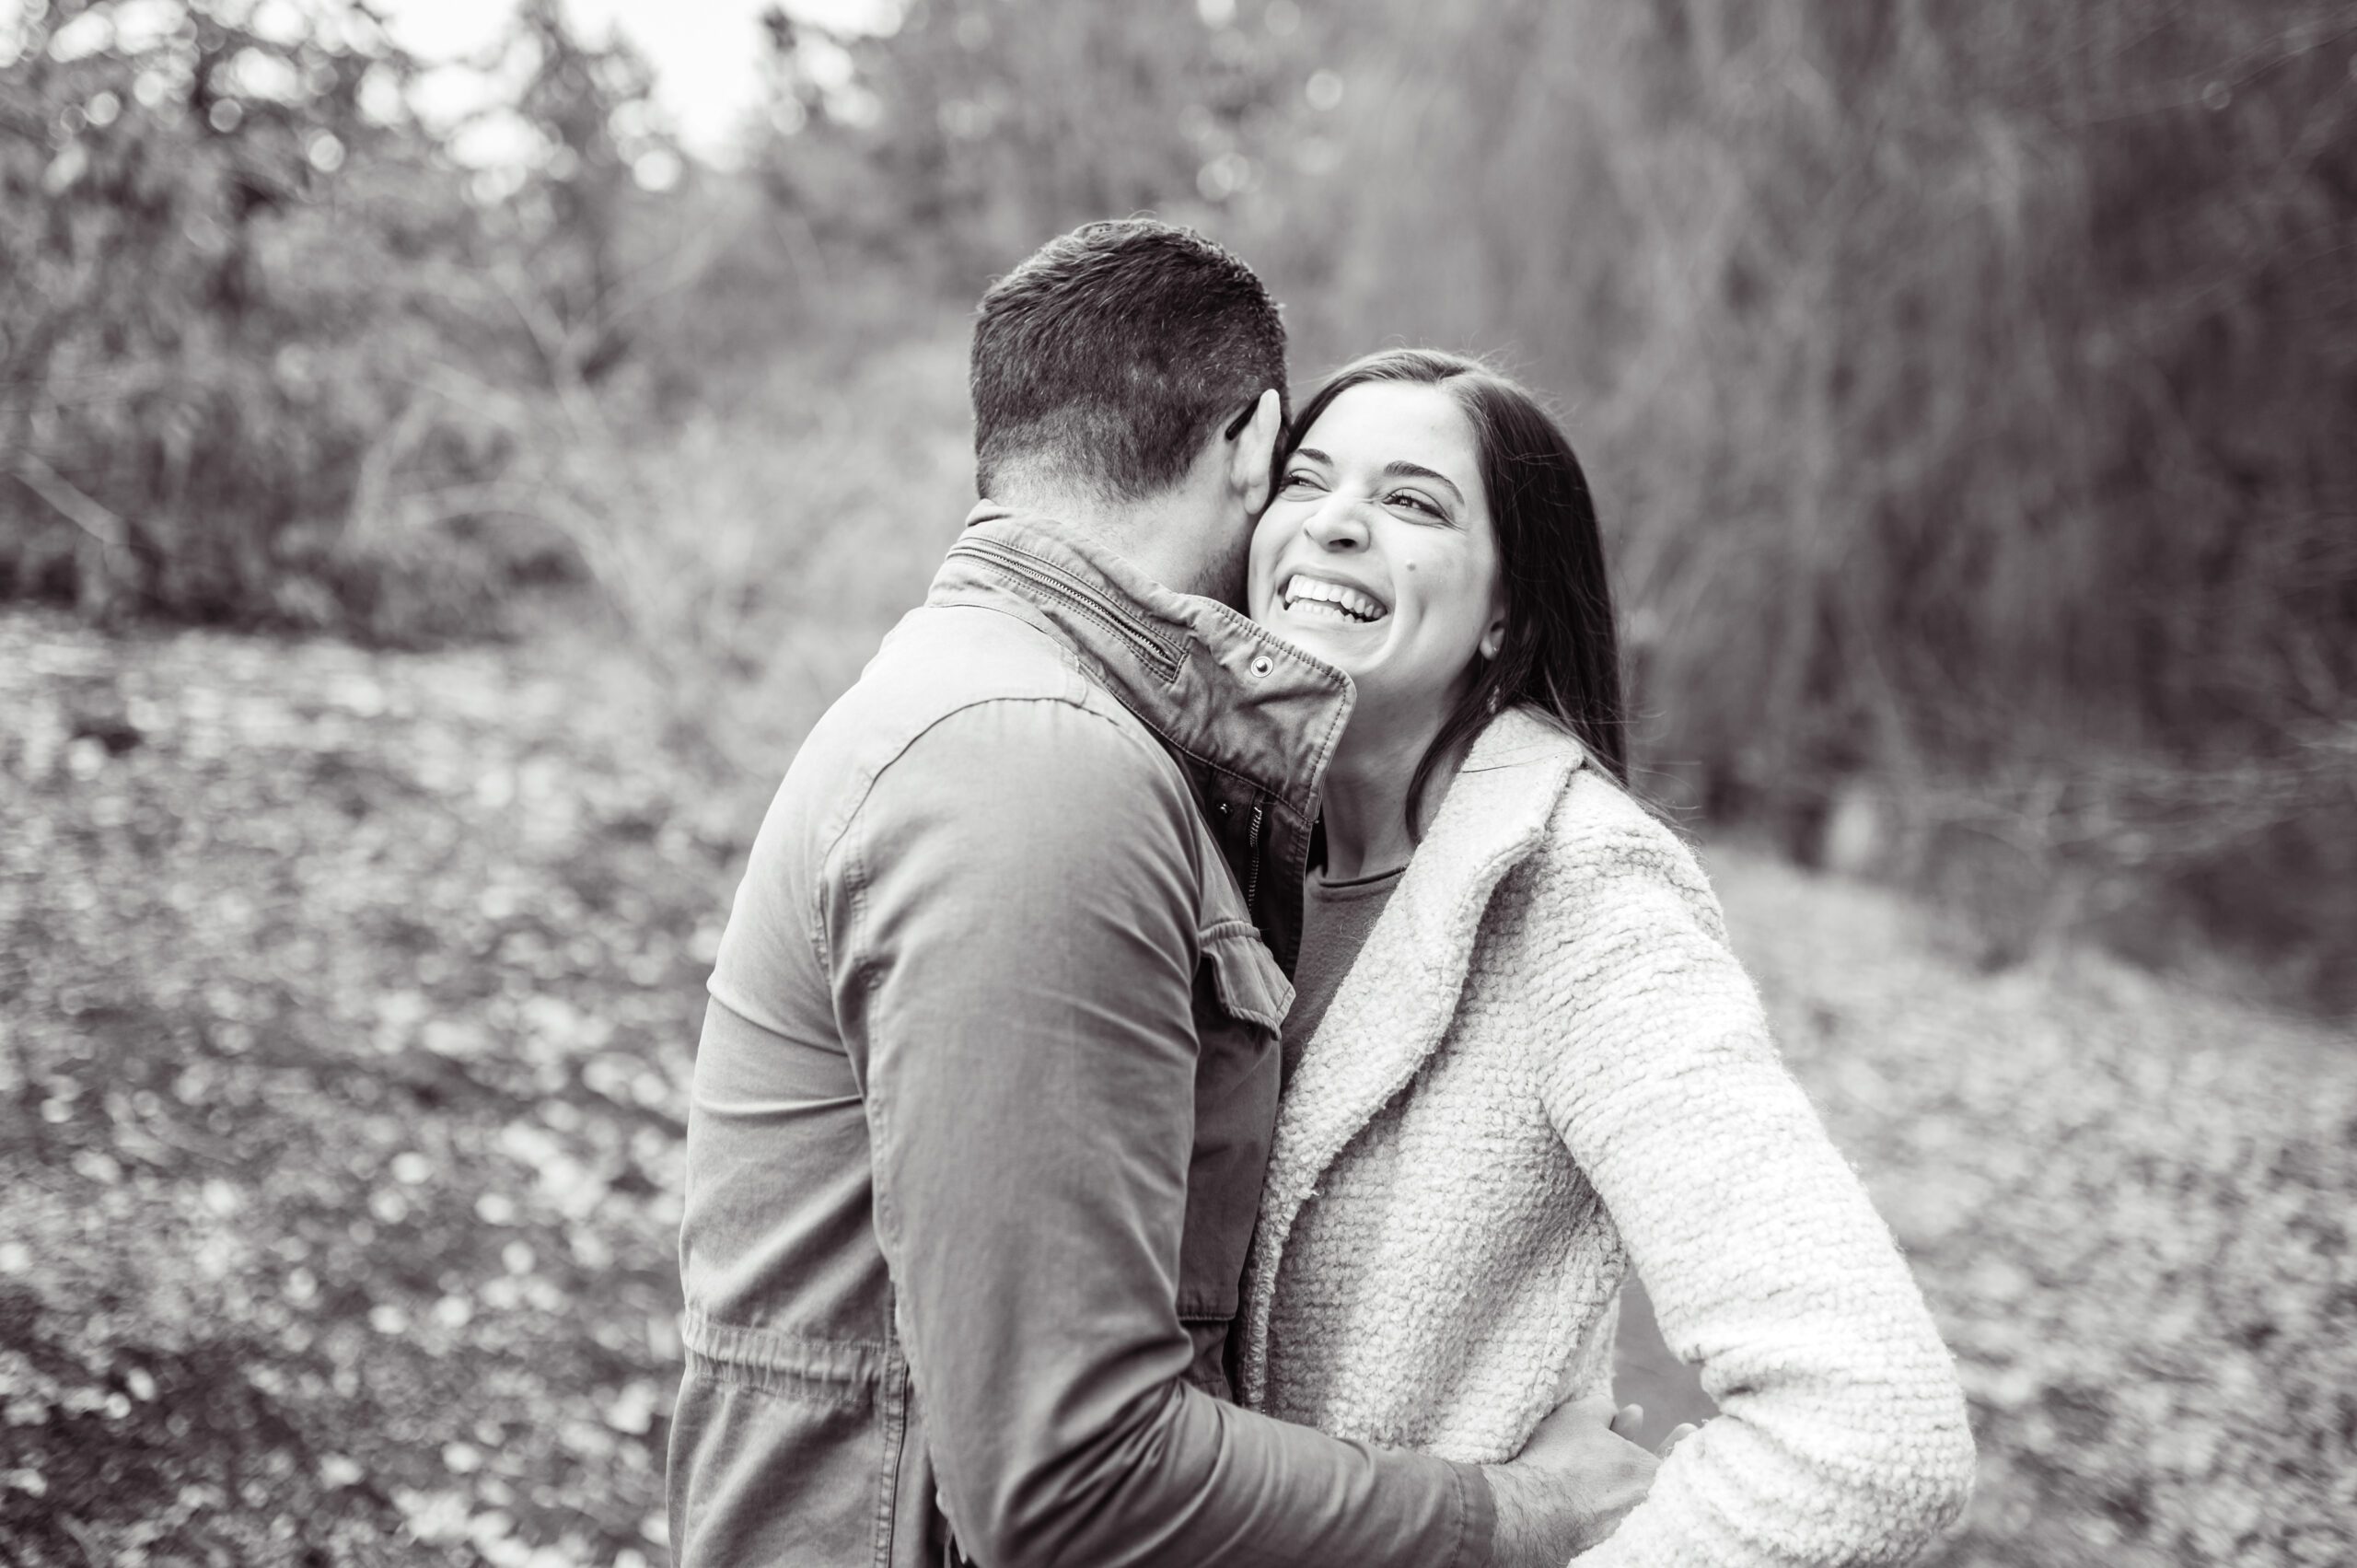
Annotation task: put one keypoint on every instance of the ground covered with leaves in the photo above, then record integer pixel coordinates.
(346, 1009)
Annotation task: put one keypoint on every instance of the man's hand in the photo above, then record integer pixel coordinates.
(1631, 1422)
(1569, 1488)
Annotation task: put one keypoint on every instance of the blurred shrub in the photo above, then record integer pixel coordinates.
(198, 353)
(250, 312)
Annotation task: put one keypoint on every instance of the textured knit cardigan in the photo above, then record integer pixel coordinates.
(1544, 1064)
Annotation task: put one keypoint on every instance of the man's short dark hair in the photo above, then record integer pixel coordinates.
(1109, 358)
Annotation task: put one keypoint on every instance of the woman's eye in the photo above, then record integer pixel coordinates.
(1298, 481)
(1413, 502)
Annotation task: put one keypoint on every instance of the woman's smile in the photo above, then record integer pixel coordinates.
(1324, 599)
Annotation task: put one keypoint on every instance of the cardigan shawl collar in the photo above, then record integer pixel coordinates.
(1495, 814)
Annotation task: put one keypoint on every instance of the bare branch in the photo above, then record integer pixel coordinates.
(69, 502)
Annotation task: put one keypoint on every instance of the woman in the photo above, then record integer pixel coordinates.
(1522, 1055)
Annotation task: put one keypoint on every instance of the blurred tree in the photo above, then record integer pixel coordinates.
(1972, 387)
(972, 129)
(601, 144)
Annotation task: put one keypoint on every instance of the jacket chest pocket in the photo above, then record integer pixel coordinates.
(1240, 1001)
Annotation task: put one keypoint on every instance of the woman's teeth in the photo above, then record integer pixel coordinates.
(1331, 600)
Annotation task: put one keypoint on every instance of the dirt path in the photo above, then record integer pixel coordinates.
(345, 1006)
(2129, 1208)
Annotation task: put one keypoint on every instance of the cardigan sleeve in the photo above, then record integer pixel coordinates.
(1842, 1437)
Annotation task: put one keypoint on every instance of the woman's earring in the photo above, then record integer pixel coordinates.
(1492, 702)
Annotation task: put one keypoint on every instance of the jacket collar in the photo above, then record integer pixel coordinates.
(1252, 718)
(1396, 1005)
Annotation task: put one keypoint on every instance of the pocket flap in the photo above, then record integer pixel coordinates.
(1250, 985)
(857, 1364)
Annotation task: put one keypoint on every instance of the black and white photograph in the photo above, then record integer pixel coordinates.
(1178, 784)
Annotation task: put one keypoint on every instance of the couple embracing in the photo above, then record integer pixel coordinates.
(1205, 1029)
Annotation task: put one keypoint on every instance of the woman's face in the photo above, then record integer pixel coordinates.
(1378, 554)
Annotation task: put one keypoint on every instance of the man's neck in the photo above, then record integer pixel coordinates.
(1160, 536)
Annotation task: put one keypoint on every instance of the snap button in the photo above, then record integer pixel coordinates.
(1262, 665)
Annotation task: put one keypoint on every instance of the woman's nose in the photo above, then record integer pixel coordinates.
(1337, 526)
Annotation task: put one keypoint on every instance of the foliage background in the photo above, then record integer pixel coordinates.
(1970, 388)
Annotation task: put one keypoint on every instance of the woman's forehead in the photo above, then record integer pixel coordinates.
(1374, 419)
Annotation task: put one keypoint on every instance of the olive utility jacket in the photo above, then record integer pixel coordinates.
(984, 1097)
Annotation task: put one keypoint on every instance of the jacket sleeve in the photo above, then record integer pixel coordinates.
(1010, 933)
(1842, 1437)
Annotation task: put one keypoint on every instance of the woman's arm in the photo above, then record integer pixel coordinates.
(1842, 1437)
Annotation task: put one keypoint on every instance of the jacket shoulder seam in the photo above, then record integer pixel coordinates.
(1073, 696)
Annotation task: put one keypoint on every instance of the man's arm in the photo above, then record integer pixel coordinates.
(1010, 931)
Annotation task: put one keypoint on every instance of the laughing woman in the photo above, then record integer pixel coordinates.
(1523, 1055)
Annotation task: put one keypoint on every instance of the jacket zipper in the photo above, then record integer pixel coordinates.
(1252, 865)
(1082, 599)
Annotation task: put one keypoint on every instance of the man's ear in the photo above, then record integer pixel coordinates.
(1252, 464)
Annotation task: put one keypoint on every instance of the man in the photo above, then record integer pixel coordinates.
(989, 1074)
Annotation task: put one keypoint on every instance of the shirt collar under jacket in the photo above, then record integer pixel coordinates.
(1254, 719)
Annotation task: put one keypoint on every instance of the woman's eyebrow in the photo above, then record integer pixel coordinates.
(1418, 470)
(1314, 455)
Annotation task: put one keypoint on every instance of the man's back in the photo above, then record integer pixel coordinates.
(788, 1290)
(981, 1110)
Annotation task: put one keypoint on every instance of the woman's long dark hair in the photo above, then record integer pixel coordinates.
(1561, 652)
